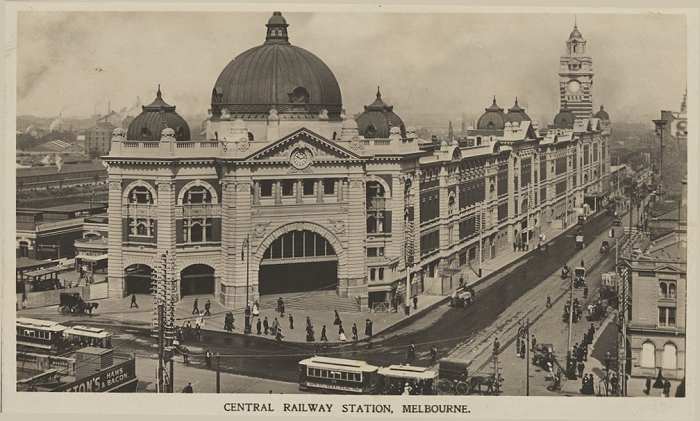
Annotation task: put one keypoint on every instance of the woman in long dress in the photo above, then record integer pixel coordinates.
(256, 309)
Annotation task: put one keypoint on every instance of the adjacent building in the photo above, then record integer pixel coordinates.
(290, 193)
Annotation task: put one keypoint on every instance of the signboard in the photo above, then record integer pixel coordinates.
(105, 381)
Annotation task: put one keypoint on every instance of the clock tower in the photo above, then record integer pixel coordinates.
(576, 76)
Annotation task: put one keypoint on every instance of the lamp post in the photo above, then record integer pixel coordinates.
(245, 250)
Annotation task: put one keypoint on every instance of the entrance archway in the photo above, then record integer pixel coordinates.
(197, 279)
(137, 279)
(298, 261)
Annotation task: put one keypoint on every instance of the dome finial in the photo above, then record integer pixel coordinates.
(158, 93)
(516, 101)
(277, 29)
(494, 100)
(379, 94)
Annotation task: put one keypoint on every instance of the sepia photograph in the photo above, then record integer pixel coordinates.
(306, 201)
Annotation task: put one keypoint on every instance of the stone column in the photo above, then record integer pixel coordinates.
(115, 269)
(396, 246)
(230, 250)
(165, 214)
(352, 277)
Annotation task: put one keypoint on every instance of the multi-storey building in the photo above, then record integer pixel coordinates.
(289, 193)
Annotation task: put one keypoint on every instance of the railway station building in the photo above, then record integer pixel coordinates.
(289, 193)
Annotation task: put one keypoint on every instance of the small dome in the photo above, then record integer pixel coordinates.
(493, 119)
(575, 34)
(602, 114)
(517, 114)
(378, 119)
(565, 118)
(155, 117)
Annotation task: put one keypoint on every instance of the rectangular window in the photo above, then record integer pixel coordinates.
(381, 274)
(308, 187)
(266, 188)
(287, 188)
(463, 258)
(371, 252)
(372, 274)
(328, 187)
(667, 316)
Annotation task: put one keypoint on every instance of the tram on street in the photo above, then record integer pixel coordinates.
(42, 336)
(83, 336)
(338, 375)
(402, 379)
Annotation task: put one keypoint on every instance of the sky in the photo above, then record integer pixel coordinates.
(77, 62)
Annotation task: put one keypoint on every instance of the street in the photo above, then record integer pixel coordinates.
(501, 301)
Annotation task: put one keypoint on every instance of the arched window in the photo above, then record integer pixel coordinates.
(196, 233)
(663, 292)
(371, 224)
(141, 229)
(648, 356)
(140, 195)
(669, 358)
(251, 137)
(672, 290)
(197, 195)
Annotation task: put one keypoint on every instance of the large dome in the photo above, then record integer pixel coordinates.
(276, 75)
(155, 117)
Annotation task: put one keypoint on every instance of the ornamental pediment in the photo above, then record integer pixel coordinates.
(301, 149)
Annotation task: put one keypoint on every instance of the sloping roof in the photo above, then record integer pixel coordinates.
(66, 169)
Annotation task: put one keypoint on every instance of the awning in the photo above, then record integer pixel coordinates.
(89, 258)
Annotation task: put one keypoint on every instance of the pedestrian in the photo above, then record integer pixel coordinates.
(310, 334)
(266, 325)
(515, 246)
(433, 354)
(185, 354)
(337, 321)
(415, 302)
(308, 322)
(517, 345)
(647, 386)
(282, 310)
(534, 342)
(614, 384)
(291, 322)
(581, 366)
(523, 345)
(258, 326)
(207, 357)
(608, 357)
(278, 334)
(582, 265)
(275, 326)
(341, 335)
(233, 321)
(370, 325)
(549, 302)
(207, 307)
(324, 338)
(340, 328)
(198, 332)
(667, 388)
(188, 388)
(195, 306)
(496, 346)
(411, 355)
(132, 305)
(256, 309)
(354, 332)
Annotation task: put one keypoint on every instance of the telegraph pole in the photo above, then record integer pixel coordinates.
(527, 357)
(161, 351)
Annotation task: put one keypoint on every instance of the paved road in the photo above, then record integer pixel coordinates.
(443, 327)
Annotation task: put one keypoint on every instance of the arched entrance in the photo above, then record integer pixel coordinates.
(298, 261)
(197, 279)
(137, 279)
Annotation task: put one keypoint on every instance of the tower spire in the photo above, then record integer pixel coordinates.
(379, 94)
(158, 93)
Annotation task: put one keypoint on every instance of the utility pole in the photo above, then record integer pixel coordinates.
(481, 234)
(624, 278)
(218, 373)
(246, 249)
(527, 357)
(161, 342)
(571, 310)
(163, 289)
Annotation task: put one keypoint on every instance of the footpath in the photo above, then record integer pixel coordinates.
(546, 324)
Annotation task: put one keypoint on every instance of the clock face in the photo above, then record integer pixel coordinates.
(573, 86)
(300, 158)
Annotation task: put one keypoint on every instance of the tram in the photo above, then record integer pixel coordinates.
(83, 336)
(43, 336)
(338, 375)
(49, 337)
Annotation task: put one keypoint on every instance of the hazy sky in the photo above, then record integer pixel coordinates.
(438, 63)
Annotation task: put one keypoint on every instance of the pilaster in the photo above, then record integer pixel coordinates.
(115, 269)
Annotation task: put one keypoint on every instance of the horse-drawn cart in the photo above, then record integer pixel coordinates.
(456, 380)
(73, 303)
